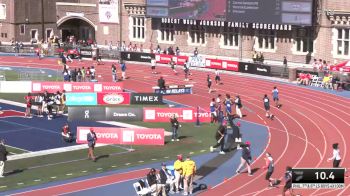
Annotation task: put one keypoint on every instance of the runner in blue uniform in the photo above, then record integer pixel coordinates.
(266, 101)
(275, 97)
(228, 103)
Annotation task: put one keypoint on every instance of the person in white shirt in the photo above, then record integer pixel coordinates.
(153, 65)
(217, 77)
(239, 106)
(336, 156)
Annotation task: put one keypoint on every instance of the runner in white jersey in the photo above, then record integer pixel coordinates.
(217, 77)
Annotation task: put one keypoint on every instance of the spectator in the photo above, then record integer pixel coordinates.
(123, 47)
(134, 48)
(177, 50)
(189, 169)
(93, 72)
(153, 65)
(141, 48)
(158, 49)
(118, 46)
(152, 182)
(3, 157)
(63, 101)
(175, 126)
(161, 83)
(66, 134)
(39, 99)
(255, 56)
(335, 80)
(79, 75)
(66, 75)
(74, 75)
(171, 51)
(246, 159)
(88, 74)
(166, 179)
(314, 65)
(285, 66)
(83, 74)
(220, 138)
(130, 47)
(195, 52)
(114, 73)
(178, 170)
(91, 139)
(239, 106)
(29, 102)
(261, 57)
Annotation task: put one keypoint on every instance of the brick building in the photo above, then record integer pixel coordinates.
(328, 38)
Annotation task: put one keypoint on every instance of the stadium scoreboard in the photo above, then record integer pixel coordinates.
(291, 12)
(318, 178)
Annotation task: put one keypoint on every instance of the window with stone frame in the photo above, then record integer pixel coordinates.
(197, 34)
(167, 32)
(304, 41)
(22, 29)
(266, 39)
(230, 36)
(138, 28)
(343, 40)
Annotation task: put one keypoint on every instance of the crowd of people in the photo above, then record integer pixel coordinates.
(179, 179)
(46, 103)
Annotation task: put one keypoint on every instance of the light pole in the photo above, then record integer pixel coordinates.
(42, 20)
(120, 23)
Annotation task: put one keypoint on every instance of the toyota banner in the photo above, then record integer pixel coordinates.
(125, 136)
(76, 87)
(183, 114)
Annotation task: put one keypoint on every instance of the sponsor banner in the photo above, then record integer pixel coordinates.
(53, 87)
(81, 99)
(108, 11)
(213, 63)
(221, 64)
(86, 52)
(127, 136)
(137, 56)
(263, 70)
(174, 91)
(86, 113)
(247, 67)
(166, 58)
(121, 98)
(230, 65)
(108, 87)
(78, 87)
(196, 61)
(164, 115)
(146, 98)
(124, 114)
(50, 87)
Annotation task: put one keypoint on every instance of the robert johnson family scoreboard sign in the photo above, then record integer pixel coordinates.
(243, 25)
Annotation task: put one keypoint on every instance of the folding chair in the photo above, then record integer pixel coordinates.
(141, 191)
(314, 81)
(319, 82)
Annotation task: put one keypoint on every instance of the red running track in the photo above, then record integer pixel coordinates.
(300, 136)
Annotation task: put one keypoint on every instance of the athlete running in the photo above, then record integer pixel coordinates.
(209, 83)
(275, 97)
(267, 107)
(270, 166)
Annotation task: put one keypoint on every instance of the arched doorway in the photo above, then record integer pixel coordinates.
(80, 28)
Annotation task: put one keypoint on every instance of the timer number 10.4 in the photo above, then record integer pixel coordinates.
(323, 175)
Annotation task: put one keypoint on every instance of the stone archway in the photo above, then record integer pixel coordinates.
(78, 26)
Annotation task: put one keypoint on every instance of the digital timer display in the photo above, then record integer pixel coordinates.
(318, 178)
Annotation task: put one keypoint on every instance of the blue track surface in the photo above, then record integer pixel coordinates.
(256, 134)
(37, 133)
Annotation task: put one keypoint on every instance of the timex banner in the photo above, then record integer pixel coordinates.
(105, 114)
(146, 98)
